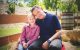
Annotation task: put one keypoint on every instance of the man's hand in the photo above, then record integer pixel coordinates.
(45, 45)
(25, 45)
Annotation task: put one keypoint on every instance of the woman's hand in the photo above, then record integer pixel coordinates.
(45, 45)
(25, 45)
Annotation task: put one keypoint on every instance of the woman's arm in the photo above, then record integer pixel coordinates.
(23, 35)
(35, 36)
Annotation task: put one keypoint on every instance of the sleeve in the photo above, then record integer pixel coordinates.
(22, 38)
(35, 36)
(56, 23)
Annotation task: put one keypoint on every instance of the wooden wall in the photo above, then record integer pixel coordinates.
(6, 19)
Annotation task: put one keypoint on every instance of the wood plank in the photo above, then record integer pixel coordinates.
(8, 39)
(7, 19)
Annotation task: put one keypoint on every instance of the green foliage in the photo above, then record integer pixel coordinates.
(51, 4)
(36, 2)
(33, 2)
(20, 4)
(41, 4)
(68, 6)
(74, 8)
(48, 4)
(11, 8)
(78, 3)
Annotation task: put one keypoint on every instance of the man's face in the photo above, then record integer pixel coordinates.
(38, 13)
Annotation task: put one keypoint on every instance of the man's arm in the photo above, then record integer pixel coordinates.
(57, 27)
(56, 35)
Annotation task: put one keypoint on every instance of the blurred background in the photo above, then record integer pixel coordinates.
(13, 16)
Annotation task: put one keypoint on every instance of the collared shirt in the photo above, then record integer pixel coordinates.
(48, 26)
(29, 34)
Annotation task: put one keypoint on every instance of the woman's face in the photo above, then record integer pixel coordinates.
(31, 20)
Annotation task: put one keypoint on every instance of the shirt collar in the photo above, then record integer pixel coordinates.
(46, 15)
(32, 27)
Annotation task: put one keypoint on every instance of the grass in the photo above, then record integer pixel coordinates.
(78, 48)
(9, 31)
(10, 46)
(4, 47)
